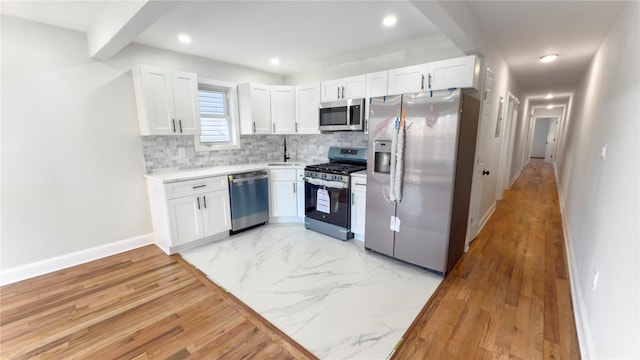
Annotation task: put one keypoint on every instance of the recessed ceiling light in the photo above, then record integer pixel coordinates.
(549, 96)
(389, 20)
(275, 61)
(550, 107)
(548, 58)
(184, 38)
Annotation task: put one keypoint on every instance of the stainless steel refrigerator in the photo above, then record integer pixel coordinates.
(420, 158)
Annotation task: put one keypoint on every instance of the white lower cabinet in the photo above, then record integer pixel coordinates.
(358, 205)
(286, 195)
(282, 192)
(187, 211)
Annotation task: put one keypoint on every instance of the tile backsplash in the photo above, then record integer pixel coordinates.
(163, 152)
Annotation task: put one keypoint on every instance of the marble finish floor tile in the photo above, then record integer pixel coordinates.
(335, 298)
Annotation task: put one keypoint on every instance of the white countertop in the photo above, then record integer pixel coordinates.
(362, 174)
(191, 174)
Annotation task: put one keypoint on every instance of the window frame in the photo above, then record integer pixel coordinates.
(231, 94)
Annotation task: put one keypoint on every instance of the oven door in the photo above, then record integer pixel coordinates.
(336, 211)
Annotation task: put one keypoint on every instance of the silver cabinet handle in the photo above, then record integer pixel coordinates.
(273, 126)
(353, 198)
(180, 123)
(198, 202)
(296, 127)
(429, 81)
(173, 121)
(199, 186)
(422, 83)
(294, 187)
(254, 126)
(338, 92)
(204, 199)
(343, 92)
(360, 184)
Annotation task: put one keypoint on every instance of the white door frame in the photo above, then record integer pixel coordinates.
(559, 128)
(506, 145)
(534, 122)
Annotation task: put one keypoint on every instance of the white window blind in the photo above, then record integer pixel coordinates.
(214, 116)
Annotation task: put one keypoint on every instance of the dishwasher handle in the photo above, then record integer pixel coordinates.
(250, 179)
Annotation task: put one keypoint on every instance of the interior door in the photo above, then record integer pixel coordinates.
(480, 205)
(551, 141)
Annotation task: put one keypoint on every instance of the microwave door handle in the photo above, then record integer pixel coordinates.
(348, 115)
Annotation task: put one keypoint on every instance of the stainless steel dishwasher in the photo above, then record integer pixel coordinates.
(249, 197)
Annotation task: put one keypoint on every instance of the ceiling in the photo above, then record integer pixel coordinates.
(307, 34)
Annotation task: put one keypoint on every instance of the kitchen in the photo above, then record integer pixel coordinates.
(75, 94)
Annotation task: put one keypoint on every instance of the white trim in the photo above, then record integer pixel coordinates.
(45, 266)
(483, 222)
(585, 342)
(515, 177)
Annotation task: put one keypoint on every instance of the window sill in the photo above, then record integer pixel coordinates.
(203, 148)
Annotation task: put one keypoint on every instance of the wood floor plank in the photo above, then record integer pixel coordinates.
(516, 272)
(136, 305)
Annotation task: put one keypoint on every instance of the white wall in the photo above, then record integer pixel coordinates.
(72, 165)
(540, 132)
(600, 198)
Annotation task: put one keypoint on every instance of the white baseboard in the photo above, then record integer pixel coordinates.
(513, 181)
(46, 266)
(579, 310)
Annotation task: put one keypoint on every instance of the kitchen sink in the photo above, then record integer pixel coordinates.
(285, 164)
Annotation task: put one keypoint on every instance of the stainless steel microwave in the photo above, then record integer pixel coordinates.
(342, 115)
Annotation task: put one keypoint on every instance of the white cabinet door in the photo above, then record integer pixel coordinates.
(462, 72)
(358, 204)
(354, 87)
(377, 84)
(408, 79)
(216, 216)
(307, 113)
(283, 198)
(331, 90)
(283, 109)
(300, 191)
(254, 107)
(185, 220)
(185, 96)
(341, 89)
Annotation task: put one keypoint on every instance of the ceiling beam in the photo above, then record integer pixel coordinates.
(120, 23)
(455, 21)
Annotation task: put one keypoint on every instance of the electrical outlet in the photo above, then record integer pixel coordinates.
(596, 275)
(181, 152)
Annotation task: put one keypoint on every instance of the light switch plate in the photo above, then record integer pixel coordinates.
(603, 153)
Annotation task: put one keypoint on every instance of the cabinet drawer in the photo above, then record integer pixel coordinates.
(192, 187)
(358, 183)
(282, 174)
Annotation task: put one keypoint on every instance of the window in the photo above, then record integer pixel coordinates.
(218, 116)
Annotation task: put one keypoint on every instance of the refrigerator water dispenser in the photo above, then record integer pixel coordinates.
(382, 156)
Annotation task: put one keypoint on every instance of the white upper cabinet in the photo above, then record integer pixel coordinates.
(307, 113)
(346, 88)
(254, 102)
(167, 101)
(377, 84)
(283, 109)
(460, 72)
(408, 79)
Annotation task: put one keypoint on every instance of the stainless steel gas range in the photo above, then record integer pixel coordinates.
(328, 193)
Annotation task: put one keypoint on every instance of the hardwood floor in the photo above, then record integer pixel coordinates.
(135, 305)
(508, 297)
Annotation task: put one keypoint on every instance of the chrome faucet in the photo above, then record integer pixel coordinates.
(285, 151)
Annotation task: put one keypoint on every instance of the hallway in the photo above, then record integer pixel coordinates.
(509, 296)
